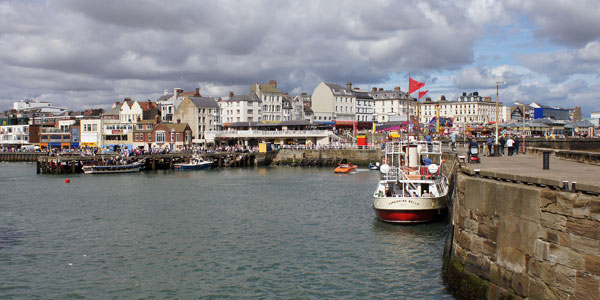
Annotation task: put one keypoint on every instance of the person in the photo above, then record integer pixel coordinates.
(489, 146)
(426, 161)
(453, 139)
(509, 144)
(472, 144)
(516, 146)
(502, 142)
(428, 140)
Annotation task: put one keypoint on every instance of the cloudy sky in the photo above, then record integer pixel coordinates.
(80, 54)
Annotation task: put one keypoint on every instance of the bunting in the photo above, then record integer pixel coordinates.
(422, 93)
(414, 85)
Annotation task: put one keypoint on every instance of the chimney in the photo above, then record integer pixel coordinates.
(397, 88)
(178, 121)
(443, 97)
(273, 83)
(303, 94)
(475, 94)
(428, 99)
(156, 119)
(177, 91)
(127, 99)
(230, 95)
(349, 85)
(464, 94)
(381, 89)
(374, 89)
(165, 92)
(197, 94)
(356, 89)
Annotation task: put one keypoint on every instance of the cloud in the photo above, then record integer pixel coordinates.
(484, 78)
(560, 65)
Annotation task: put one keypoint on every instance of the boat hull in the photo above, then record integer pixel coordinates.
(134, 168)
(410, 216)
(192, 166)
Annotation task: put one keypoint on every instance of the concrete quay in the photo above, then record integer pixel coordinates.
(519, 233)
(529, 169)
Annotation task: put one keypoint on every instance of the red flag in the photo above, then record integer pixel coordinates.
(422, 93)
(414, 85)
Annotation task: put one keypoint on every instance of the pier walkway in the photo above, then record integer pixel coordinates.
(529, 168)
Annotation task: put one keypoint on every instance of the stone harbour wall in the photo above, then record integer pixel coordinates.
(328, 156)
(513, 240)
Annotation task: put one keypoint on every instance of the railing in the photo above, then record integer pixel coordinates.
(256, 133)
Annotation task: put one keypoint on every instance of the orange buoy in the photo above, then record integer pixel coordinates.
(67, 180)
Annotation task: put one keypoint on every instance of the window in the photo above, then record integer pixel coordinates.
(160, 136)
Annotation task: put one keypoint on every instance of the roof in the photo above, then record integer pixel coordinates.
(265, 88)
(579, 124)
(113, 111)
(176, 127)
(248, 98)
(165, 97)
(147, 105)
(204, 102)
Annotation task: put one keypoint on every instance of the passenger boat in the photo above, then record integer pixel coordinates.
(411, 191)
(110, 169)
(345, 168)
(196, 163)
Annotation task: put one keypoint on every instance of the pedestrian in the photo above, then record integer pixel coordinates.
(516, 147)
(472, 145)
(510, 143)
(489, 146)
(502, 143)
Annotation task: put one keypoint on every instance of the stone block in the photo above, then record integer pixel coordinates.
(520, 284)
(511, 258)
(554, 221)
(564, 203)
(583, 227)
(489, 248)
(595, 209)
(566, 257)
(517, 233)
(541, 270)
(506, 176)
(463, 239)
(565, 278)
(518, 200)
(487, 232)
(581, 206)
(587, 286)
(585, 245)
(548, 200)
(540, 250)
(500, 275)
(470, 226)
(588, 188)
(592, 264)
(550, 182)
(540, 291)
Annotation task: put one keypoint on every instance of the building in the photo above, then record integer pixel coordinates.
(142, 134)
(554, 113)
(390, 105)
(37, 106)
(201, 113)
(595, 118)
(468, 109)
(14, 135)
(91, 132)
(272, 100)
(333, 102)
(240, 108)
(171, 136)
(168, 103)
(300, 103)
(134, 111)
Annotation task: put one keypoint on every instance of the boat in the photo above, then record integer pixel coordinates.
(196, 163)
(111, 169)
(412, 188)
(374, 165)
(345, 168)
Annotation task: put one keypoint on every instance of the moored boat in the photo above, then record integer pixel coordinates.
(111, 169)
(412, 189)
(345, 168)
(196, 163)
(374, 165)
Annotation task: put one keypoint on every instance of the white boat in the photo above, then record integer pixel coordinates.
(196, 163)
(110, 169)
(412, 188)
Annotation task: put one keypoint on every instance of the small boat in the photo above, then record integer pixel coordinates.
(111, 169)
(374, 165)
(345, 168)
(196, 163)
(411, 191)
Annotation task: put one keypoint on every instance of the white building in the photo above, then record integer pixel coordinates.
(390, 105)
(272, 100)
(91, 132)
(168, 103)
(300, 103)
(240, 108)
(332, 102)
(14, 135)
(470, 109)
(202, 114)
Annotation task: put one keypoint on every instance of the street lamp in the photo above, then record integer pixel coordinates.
(497, 84)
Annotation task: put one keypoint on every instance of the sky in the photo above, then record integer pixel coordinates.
(89, 54)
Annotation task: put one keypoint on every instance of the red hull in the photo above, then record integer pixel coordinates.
(410, 216)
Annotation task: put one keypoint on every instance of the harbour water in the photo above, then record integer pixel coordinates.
(244, 233)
